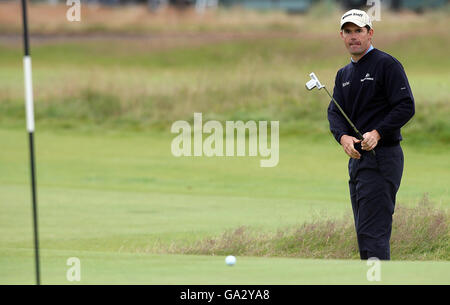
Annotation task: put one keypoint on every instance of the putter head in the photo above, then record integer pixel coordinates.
(313, 82)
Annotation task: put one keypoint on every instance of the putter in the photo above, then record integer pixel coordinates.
(314, 82)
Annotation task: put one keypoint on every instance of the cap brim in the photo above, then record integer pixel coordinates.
(356, 22)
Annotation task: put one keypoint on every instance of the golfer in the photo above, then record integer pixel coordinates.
(374, 92)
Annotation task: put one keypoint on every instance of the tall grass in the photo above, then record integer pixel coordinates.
(45, 19)
(137, 19)
(139, 99)
(418, 233)
(243, 68)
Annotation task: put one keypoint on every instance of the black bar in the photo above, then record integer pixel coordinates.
(32, 163)
(35, 212)
(25, 28)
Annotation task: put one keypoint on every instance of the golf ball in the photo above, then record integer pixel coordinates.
(230, 260)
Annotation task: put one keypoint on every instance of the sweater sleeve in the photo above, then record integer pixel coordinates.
(338, 124)
(400, 98)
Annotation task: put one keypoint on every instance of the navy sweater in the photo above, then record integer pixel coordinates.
(375, 94)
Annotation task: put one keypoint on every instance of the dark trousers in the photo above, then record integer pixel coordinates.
(374, 182)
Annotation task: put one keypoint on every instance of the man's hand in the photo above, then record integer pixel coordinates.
(347, 143)
(370, 140)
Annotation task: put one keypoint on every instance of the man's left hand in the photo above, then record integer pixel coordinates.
(370, 140)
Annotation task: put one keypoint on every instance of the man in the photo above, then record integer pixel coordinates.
(374, 92)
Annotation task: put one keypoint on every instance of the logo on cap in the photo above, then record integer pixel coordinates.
(354, 14)
(358, 17)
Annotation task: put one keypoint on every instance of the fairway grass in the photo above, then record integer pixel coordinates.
(108, 198)
(127, 268)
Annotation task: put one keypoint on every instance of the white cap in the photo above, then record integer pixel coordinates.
(358, 17)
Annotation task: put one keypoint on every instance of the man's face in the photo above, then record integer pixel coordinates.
(356, 39)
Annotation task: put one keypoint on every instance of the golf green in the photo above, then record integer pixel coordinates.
(111, 199)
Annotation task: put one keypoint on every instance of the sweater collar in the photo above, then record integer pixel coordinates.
(364, 56)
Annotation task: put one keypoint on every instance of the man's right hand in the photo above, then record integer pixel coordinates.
(347, 143)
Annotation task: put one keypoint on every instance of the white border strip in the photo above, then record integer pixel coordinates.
(28, 93)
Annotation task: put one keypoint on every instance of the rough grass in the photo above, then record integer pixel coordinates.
(418, 233)
(229, 65)
(51, 19)
(45, 19)
(233, 81)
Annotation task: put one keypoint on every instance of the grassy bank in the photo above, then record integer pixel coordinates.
(117, 199)
(231, 81)
(127, 192)
(419, 233)
(146, 82)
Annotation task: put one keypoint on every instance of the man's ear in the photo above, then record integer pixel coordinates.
(342, 34)
(370, 35)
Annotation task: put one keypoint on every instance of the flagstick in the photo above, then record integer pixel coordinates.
(30, 128)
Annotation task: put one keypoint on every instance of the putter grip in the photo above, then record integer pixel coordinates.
(362, 138)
